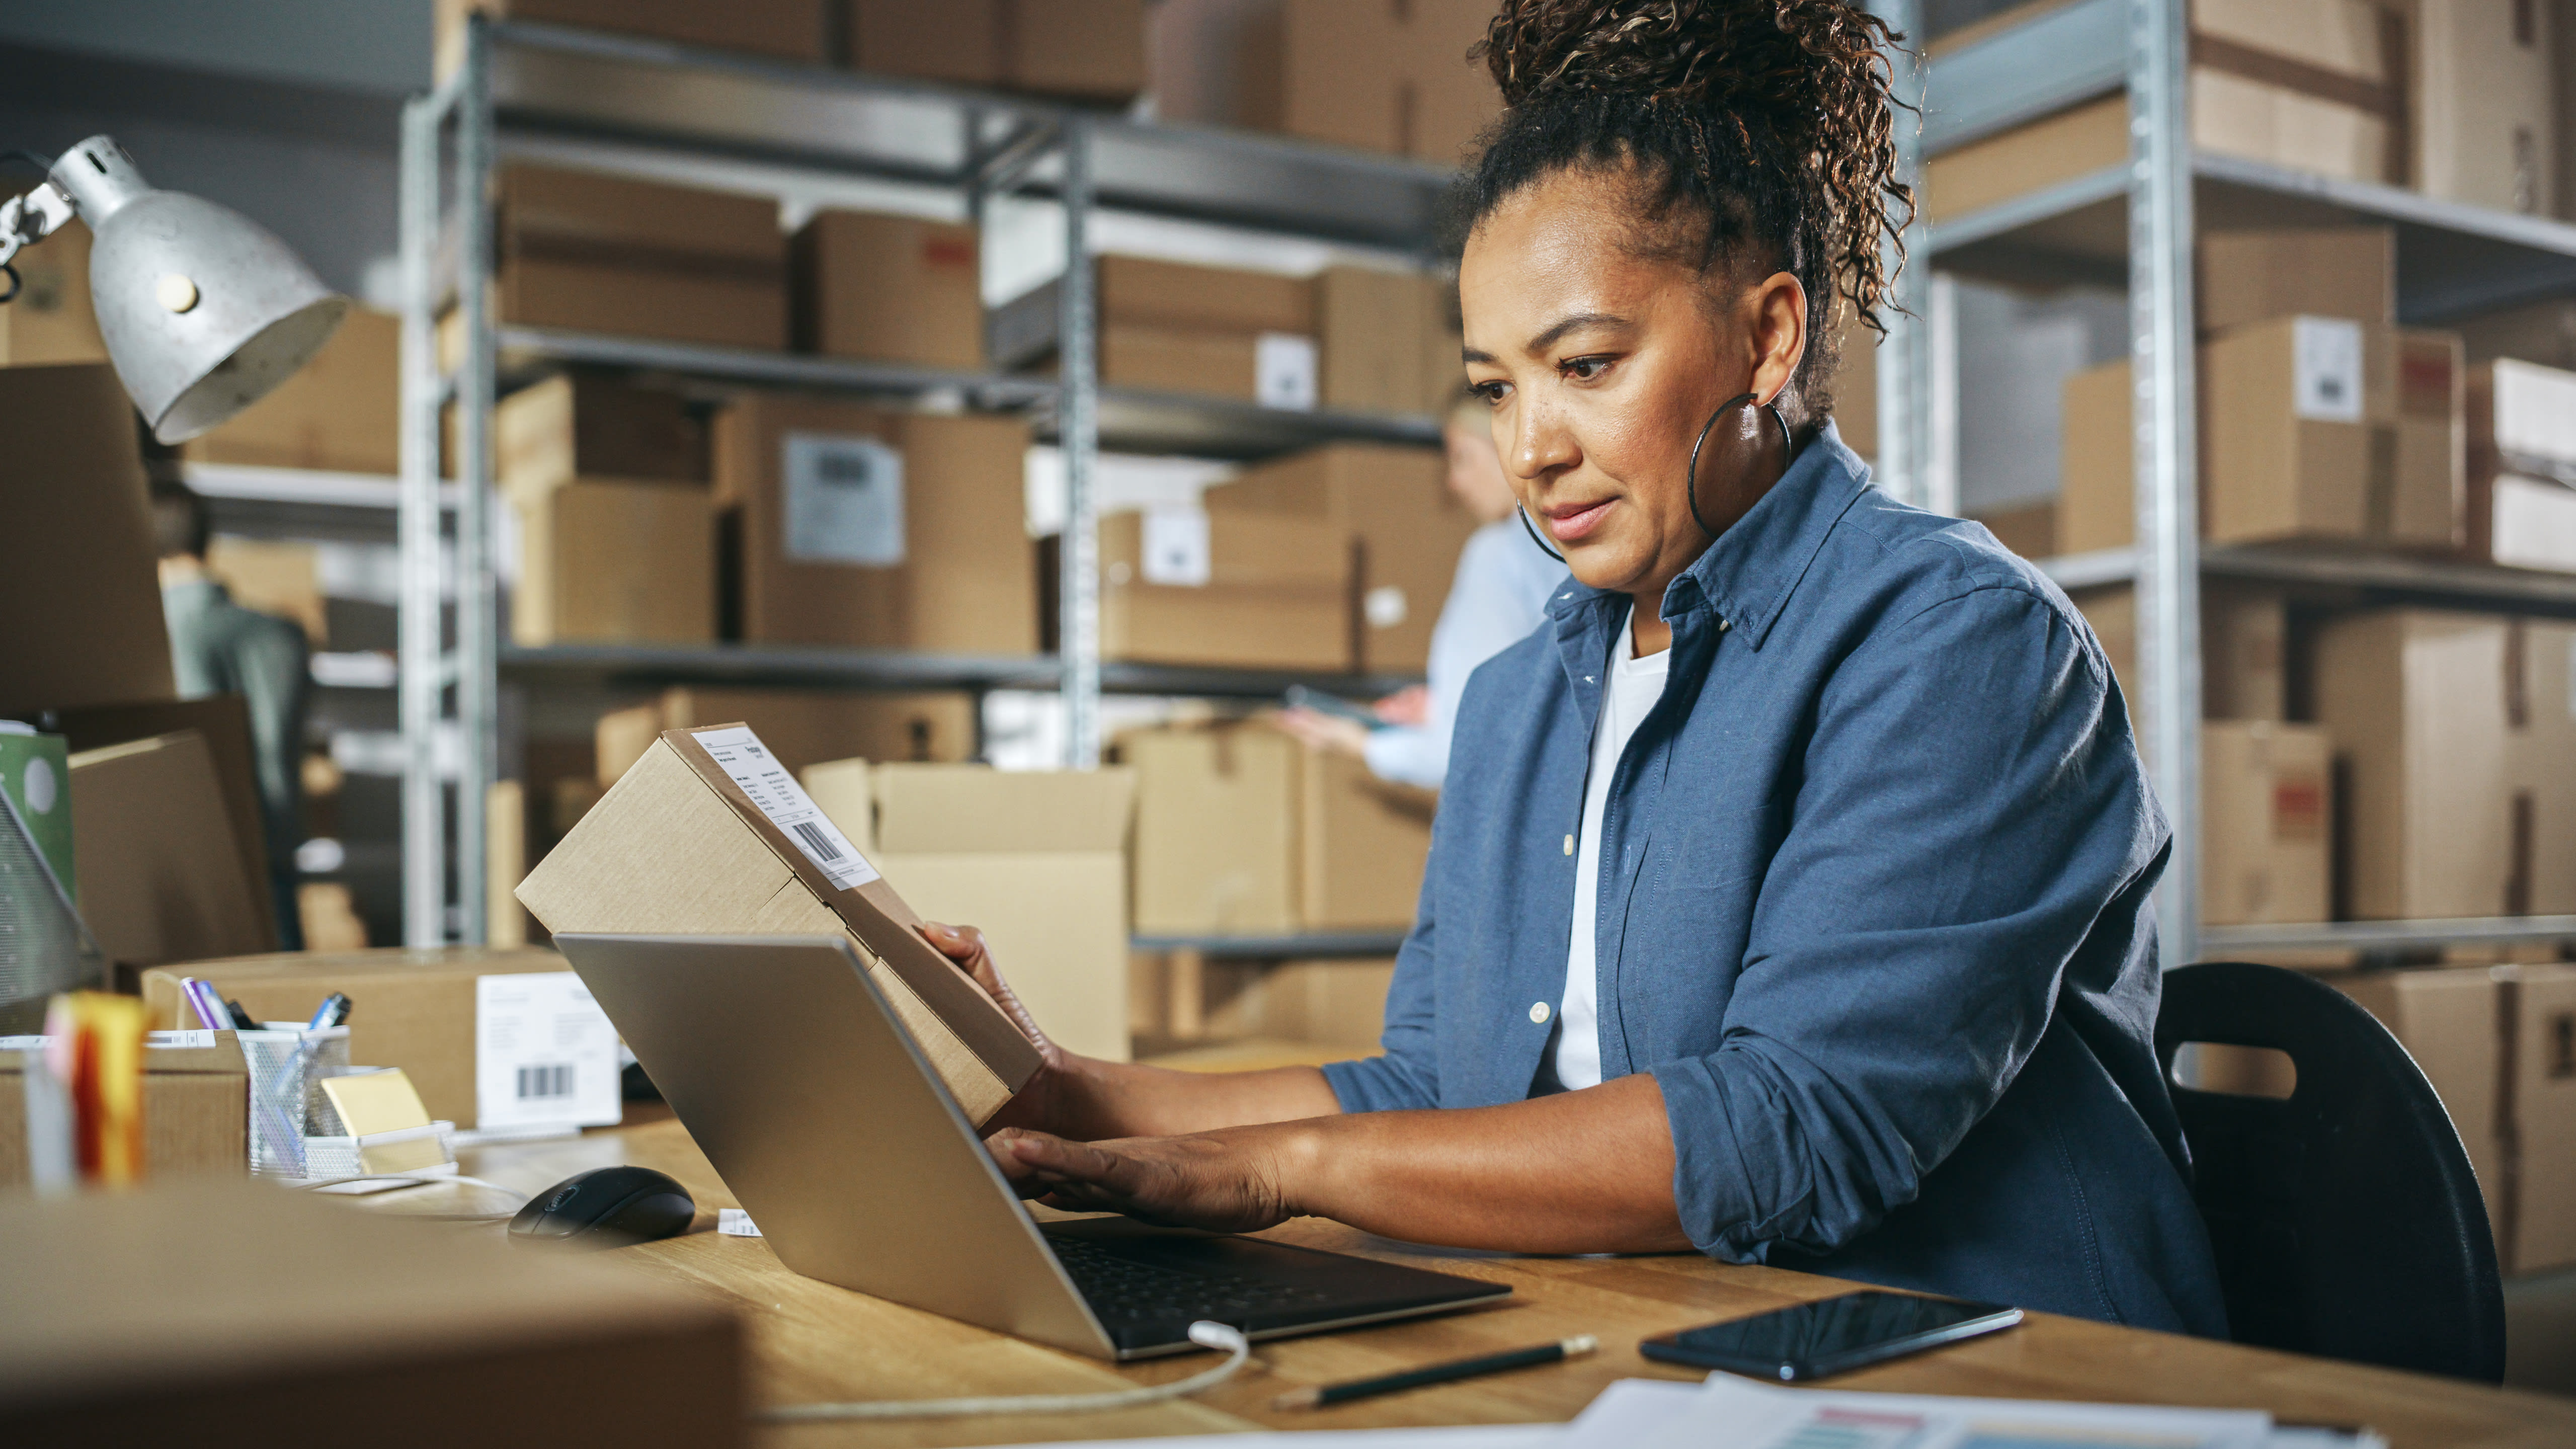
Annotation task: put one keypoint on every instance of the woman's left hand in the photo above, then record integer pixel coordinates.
(1232, 1181)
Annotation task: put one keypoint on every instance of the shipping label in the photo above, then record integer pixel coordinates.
(544, 1054)
(775, 793)
(844, 498)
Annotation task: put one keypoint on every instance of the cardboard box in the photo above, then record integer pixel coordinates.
(2537, 1158)
(52, 320)
(1166, 305)
(586, 425)
(161, 876)
(196, 1110)
(1256, 591)
(2324, 427)
(863, 527)
(2029, 530)
(593, 253)
(2096, 469)
(1851, 393)
(79, 529)
(890, 289)
(1380, 336)
(1082, 49)
(801, 727)
(1452, 99)
(2484, 124)
(1331, 1003)
(2265, 834)
(2518, 509)
(614, 563)
(1242, 831)
(409, 1009)
(223, 723)
(2031, 157)
(273, 576)
(2447, 1022)
(1035, 859)
(2254, 276)
(188, 1312)
(340, 413)
(780, 29)
(1181, 359)
(2540, 763)
(2243, 642)
(1375, 75)
(2415, 701)
(677, 845)
(2543, 332)
(1404, 529)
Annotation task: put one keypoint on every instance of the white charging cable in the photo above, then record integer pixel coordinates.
(1204, 1333)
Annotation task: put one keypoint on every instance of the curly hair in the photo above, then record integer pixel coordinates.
(1761, 134)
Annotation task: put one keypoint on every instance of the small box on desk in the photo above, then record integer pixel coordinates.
(709, 834)
(212, 1314)
(196, 1094)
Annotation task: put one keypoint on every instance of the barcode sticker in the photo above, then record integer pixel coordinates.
(749, 764)
(545, 1055)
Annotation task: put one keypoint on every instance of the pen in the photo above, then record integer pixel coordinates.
(333, 1011)
(201, 999)
(1439, 1373)
(241, 1019)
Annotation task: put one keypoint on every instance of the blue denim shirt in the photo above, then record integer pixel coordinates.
(1873, 911)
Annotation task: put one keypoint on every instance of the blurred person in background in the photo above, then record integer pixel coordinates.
(219, 647)
(1498, 595)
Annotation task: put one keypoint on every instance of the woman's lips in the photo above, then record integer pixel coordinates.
(1577, 520)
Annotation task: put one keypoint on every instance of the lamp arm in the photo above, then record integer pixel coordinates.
(31, 217)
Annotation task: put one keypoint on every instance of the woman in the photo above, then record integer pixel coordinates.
(1501, 587)
(1789, 895)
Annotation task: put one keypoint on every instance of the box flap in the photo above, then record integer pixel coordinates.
(975, 809)
(832, 868)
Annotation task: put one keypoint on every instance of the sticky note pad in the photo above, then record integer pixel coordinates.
(376, 1102)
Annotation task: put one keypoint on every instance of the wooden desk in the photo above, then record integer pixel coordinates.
(811, 1341)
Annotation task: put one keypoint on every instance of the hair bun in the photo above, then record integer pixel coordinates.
(1712, 54)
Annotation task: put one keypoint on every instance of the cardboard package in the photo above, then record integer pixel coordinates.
(223, 723)
(1331, 1003)
(680, 844)
(614, 563)
(2415, 701)
(162, 875)
(1404, 529)
(196, 1105)
(2540, 764)
(71, 486)
(1162, 308)
(1035, 859)
(2485, 92)
(188, 1312)
(340, 413)
(1375, 75)
(579, 425)
(863, 527)
(1851, 390)
(51, 321)
(2265, 795)
(801, 727)
(410, 1009)
(2519, 508)
(1380, 336)
(2446, 1020)
(2028, 529)
(1241, 831)
(2543, 332)
(594, 253)
(1250, 590)
(890, 289)
(2254, 276)
(2537, 1077)
(1081, 49)
(779, 29)
(2244, 672)
(2310, 427)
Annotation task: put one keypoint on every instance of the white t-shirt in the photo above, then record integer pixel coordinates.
(1634, 686)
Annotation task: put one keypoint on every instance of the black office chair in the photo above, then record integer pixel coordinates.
(2345, 1218)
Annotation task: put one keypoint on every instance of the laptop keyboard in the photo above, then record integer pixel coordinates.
(1117, 1286)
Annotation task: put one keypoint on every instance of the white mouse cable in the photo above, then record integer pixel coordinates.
(1204, 1333)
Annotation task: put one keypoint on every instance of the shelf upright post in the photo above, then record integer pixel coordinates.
(1078, 420)
(2162, 396)
(1904, 355)
(418, 645)
(477, 675)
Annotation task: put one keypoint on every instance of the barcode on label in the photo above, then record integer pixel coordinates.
(816, 841)
(549, 1081)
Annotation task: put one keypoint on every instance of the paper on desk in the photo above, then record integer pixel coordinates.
(1469, 1436)
(1743, 1414)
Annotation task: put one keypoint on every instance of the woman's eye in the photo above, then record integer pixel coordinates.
(1491, 392)
(1584, 369)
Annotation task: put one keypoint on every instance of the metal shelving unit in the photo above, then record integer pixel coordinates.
(533, 89)
(2131, 224)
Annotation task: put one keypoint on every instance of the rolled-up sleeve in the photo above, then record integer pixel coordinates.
(1970, 805)
(1408, 1075)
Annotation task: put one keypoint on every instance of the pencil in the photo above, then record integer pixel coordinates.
(1439, 1373)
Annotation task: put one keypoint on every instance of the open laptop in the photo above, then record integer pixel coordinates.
(804, 1090)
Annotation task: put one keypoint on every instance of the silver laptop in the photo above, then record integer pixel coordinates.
(804, 1090)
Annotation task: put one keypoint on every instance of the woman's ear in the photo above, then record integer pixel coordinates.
(1776, 318)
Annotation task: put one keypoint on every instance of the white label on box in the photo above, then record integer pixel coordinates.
(1384, 606)
(544, 1053)
(771, 788)
(735, 1223)
(1176, 547)
(844, 499)
(181, 1040)
(2326, 371)
(1283, 371)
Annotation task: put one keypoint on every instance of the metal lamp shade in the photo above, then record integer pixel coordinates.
(203, 310)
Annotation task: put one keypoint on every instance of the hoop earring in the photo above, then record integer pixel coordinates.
(1788, 449)
(1532, 530)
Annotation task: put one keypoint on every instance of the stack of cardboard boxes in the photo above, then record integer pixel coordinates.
(1376, 75)
(616, 522)
(2520, 508)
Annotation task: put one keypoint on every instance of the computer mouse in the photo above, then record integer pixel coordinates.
(606, 1207)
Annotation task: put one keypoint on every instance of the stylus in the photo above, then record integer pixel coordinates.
(1439, 1373)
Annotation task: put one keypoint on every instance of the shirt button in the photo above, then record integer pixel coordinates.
(1538, 1012)
(1569, 845)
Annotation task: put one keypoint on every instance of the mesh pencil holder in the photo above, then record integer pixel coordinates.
(287, 1105)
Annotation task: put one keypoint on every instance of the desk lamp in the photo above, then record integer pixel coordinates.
(203, 310)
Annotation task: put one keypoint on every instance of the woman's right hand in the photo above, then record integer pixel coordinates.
(1046, 1103)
